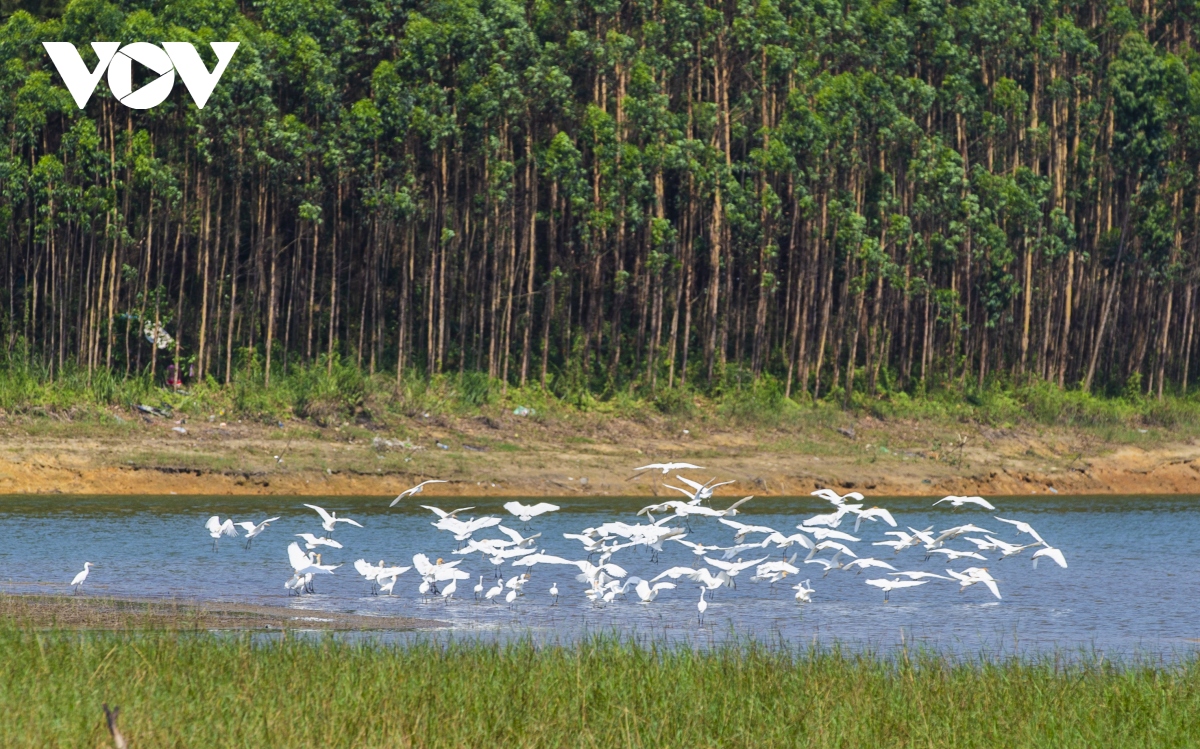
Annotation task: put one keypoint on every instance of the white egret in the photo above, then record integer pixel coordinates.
(873, 514)
(733, 551)
(494, 591)
(1023, 527)
(307, 565)
(216, 529)
(956, 501)
(702, 491)
(1052, 553)
(741, 530)
(702, 606)
(386, 585)
(478, 589)
(648, 593)
(866, 562)
(525, 513)
(972, 575)
(955, 532)
(803, 592)
(840, 548)
(836, 499)
(312, 542)
(554, 592)
(833, 519)
(953, 555)
(701, 575)
(442, 513)
(1007, 550)
(516, 538)
(416, 490)
(831, 564)
(912, 575)
(733, 569)
(448, 591)
(668, 467)
(889, 585)
(253, 530)
(77, 581)
(823, 534)
(330, 519)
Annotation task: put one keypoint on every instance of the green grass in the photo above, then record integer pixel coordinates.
(201, 690)
(358, 404)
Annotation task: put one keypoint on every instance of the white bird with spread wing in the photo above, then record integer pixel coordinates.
(956, 501)
(415, 490)
(972, 575)
(253, 530)
(312, 542)
(648, 593)
(525, 513)
(216, 529)
(1023, 527)
(889, 585)
(329, 520)
(1052, 553)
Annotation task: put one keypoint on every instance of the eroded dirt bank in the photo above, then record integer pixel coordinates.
(509, 455)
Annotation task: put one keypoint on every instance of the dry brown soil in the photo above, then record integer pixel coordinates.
(510, 455)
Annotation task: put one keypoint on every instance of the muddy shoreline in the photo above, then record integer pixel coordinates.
(108, 613)
(515, 457)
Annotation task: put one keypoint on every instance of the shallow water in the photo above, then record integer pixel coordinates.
(1129, 588)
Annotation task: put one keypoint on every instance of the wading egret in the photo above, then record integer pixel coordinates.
(647, 593)
(216, 529)
(77, 581)
(252, 530)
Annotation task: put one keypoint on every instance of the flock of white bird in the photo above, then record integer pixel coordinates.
(604, 581)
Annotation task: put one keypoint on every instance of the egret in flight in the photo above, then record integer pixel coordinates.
(312, 542)
(889, 585)
(956, 501)
(1023, 527)
(528, 512)
(77, 582)
(330, 519)
(252, 530)
(216, 529)
(1052, 553)
(416, 490)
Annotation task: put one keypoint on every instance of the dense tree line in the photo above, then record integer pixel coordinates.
(644, 194)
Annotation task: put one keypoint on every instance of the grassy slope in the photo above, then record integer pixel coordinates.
(327, 425)
(199, 690)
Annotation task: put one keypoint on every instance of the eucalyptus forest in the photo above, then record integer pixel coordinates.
(647, 195)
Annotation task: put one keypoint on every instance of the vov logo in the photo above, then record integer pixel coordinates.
(170, 58)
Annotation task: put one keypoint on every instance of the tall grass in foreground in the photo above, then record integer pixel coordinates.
(200, 690)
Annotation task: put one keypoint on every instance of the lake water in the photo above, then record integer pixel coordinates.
(1130, 588)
